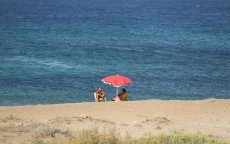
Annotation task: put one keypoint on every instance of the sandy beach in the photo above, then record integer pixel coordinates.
(136, 118)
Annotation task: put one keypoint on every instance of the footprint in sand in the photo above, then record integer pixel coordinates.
(124, 124)
(138, 125)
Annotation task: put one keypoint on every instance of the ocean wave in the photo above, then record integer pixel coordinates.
(164, 52)
(51, 63)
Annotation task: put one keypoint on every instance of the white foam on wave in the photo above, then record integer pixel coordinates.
(170, 53)
(50, 63)
(129, 48)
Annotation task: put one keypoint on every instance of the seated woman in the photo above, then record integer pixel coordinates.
(100, 95)
(123, 95)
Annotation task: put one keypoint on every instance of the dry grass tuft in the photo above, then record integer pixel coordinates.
(91, 137)
(2, 140)
(44, 130)
(162, 120)
(37, 141)
(111, 137)
(158, 127)
(179, 139)
(9, 118)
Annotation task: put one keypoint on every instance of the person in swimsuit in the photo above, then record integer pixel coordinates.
(123, 95)
(100, 95)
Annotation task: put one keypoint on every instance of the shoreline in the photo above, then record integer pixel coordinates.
(110, 101)
(137, 118)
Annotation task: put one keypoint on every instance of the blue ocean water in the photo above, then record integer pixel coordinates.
(57, 51)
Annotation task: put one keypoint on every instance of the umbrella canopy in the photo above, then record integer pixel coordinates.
(117, 81)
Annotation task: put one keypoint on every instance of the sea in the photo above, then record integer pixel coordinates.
(57, 51)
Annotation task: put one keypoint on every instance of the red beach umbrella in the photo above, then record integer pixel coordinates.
(117, 81)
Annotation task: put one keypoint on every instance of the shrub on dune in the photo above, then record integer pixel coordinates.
(111, 137)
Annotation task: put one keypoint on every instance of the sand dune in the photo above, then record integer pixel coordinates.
(137, 118)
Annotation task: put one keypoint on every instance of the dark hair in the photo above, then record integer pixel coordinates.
(123, 90)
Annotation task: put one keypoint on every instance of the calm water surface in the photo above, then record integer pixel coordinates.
(57, 51)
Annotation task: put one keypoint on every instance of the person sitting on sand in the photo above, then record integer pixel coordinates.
(121, 96)
(100, 95)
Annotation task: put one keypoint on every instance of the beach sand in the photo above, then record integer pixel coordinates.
(136, 118)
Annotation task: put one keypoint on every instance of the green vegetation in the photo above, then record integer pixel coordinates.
(180, 139)
(111, 137)
(38, 141)
(9, 118)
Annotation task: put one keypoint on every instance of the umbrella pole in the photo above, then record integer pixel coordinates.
(117, 91)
